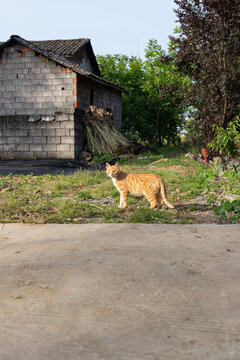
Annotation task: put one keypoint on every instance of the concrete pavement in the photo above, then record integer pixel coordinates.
(119, 292)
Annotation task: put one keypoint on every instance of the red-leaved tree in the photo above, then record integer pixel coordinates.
(209, 50)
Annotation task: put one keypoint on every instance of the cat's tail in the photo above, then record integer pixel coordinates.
(164, 194)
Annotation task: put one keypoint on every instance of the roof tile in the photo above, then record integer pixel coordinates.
(61, 47)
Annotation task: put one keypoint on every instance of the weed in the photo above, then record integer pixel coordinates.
(229, 211)
(225, 140)
(146, 215)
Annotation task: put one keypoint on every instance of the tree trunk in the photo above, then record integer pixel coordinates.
(159, 141)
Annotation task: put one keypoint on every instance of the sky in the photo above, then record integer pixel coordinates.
(114, 27)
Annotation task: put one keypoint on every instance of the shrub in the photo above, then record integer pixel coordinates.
(225, 140)
(228, 210)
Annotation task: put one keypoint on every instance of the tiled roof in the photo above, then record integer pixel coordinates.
(61, 60)
(61, 47)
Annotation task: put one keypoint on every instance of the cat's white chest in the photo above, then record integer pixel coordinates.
(114, 183)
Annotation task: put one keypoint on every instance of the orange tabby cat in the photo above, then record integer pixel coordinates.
(150, 185)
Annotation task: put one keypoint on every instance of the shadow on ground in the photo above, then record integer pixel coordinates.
(47, 166)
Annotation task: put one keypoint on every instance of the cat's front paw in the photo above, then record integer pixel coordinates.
(122, 206)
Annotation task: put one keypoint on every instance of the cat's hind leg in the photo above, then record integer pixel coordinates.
(160, 199)
(152, 198)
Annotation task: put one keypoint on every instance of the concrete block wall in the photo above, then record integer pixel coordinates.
(104, 97)
(24, 139)
(34, 85)
(32, 88)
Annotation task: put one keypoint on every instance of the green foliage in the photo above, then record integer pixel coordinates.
(207, 179)
(233, 182)
(208, 49)
(225, 140)
(228, 210)
(153, 109)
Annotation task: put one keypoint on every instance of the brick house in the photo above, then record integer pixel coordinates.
(44, 86)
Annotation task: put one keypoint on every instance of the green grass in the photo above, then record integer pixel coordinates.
(90, 197)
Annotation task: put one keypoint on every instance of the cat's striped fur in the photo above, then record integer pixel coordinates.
(150, 185)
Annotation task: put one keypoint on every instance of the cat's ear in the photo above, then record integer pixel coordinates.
(107, 165)
(117, 164)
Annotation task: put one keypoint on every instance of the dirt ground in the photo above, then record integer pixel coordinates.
(119, 291)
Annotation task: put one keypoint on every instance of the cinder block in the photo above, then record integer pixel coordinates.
(42, 125)
(17, 105)
(39, 154)
(46, 105)
(53, 140)
(50, 147)
(11, 77)
(26, 140)
(27, 154)
(63, 132)
(60, 93)
(47, 111)
(67, 154)
(59, 101)
(69, 81)
(23, 147)
(37, 106)
(54, 154)
(40, 99)
(67, 125)
(22, 132)
(49, 132)
(9, 147)
(19, 112)
(36, 147)
(66, 110)
(57, 81)
(51, 76)
(35, 131)
(40, 140)
(36, 70)
(25, 81)
(12, 155)
(63, 147)
(67, 140)
(13, 125)
(13, 140)
(53, 124)
(27, 105)
(48, 94)
(61, 117)
(9, 132)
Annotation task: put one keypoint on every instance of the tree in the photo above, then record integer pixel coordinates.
(209, 51)
(153, 109)
(129, 73)
(166, 88)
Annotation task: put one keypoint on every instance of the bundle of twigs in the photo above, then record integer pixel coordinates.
(100, 134)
